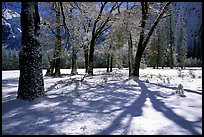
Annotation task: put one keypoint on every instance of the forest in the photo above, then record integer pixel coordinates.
(90, 58)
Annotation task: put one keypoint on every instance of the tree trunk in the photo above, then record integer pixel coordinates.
(91, 56)
(138, 58)
(158, 52)
(130, 54)
(108, 58)
(57, 59)
(31, 84)
(52, 66)
(111, 63)
(171, 44)
(143, 42)
(108, 62)
(74, 61)
(48, 72)
(86, 56)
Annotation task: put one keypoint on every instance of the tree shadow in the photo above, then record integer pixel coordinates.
(174, 88)
(169, 113)
(9, 83)
(23, 117)
(135, 110)
(57, 109)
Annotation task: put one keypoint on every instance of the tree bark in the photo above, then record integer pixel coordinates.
(48, 72)
(108, 62)
(141, 48)
(171, 44)
(109, 58)
(91, 56)
(158, 51)
(130, 54)
(111, 63)
(138, 58)
(74, 61)
(86, 56)
(31, 84)
(57, 53)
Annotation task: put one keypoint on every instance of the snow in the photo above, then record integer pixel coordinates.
(106, 103)
(8, 14)
(19, 30)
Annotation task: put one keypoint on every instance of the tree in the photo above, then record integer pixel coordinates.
(56, 58)
(169, 36)
(144, 40)
(171, 42)
(181, 42)
(31, 84)
(99, 26)
(152, 51)
(55, 61)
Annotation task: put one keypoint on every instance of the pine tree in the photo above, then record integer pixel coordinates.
(31, 84)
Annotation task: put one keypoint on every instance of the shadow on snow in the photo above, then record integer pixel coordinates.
(135, 109)
(24, 117)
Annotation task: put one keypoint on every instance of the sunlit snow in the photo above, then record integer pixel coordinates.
(107, 104)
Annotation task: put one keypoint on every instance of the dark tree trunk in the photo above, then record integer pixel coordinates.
(108, 58)
(52, 66)
(57, 52)
(31, 84)
(171, 45)
(48, 72)
(111, 63)
(86, 56)
(108, 62)
(130, 54)
(74, 61)
(91, 56)
(138, 58)
(158, 53)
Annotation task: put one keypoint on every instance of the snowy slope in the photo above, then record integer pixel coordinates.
(8, 14)
(107, 103)
(11, 29)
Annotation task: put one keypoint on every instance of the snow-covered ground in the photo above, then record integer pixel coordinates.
(107, 103)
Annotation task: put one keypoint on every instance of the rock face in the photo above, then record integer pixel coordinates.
(193, 26)
(11, 29)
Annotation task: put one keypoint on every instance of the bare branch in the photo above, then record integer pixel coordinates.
(103, 30)
(156, 22)
(167, 15)
(64, 23)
